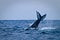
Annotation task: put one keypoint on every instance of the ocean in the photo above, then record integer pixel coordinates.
(15, 30)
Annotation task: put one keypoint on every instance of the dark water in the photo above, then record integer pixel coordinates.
(15, 30)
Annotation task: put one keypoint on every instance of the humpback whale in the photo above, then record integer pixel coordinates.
(36, 23)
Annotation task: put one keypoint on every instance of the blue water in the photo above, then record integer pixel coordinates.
(15, 30)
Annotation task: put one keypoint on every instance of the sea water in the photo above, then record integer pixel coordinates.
(15, 30)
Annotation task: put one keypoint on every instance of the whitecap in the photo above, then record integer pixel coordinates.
(47, 28)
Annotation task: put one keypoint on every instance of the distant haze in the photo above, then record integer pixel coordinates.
(26, 9)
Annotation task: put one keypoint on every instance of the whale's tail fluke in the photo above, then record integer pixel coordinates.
(38, 15)
(39, 18)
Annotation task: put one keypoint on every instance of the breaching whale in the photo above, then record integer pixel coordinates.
(36, 23)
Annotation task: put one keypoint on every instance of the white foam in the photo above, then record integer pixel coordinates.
(47, 28)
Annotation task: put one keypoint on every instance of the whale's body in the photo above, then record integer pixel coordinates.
(36, 23)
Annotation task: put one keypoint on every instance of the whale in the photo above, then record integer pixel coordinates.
(36, 23)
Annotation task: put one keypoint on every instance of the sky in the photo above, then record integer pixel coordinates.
(26, 9)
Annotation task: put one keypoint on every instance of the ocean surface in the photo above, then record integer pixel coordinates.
(15, 30)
